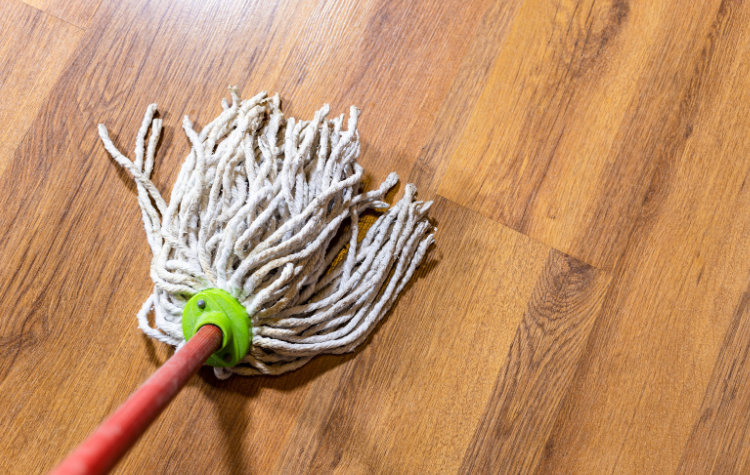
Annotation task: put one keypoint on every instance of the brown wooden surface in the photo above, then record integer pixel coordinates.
(76, 12)
(34, 50)
(585, 308)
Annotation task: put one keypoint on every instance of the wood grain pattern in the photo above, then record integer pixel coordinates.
(76, 12)
(580, 101)
(677, 287)
(435, 375)
(462, 98)
(34, 50)
(719, 440)
(521, 412)
(585, 308)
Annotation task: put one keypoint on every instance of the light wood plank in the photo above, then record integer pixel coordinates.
(76, 12)
(451, 121)
(33, 52)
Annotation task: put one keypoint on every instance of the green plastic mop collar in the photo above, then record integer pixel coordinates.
(218, 307)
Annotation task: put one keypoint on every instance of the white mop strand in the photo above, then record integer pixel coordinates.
(254, 211)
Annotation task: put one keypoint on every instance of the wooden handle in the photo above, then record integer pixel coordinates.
(115, 436)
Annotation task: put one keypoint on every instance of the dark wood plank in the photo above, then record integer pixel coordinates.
(720, 441)
(637, 395)
(581, 100)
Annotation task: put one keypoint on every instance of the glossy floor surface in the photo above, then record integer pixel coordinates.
(586, 309)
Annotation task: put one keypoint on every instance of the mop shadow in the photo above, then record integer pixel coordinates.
(153, 356)
(232, 399)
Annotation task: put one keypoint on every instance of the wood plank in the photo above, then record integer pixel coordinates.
(394, 59)
(76, 12)
(638, 392)
(33, 52)
(472, 77)
(523, 407)
(434, 362)
(720, 442)
(560, 145)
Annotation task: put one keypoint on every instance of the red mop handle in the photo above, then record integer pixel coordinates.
(106, 446)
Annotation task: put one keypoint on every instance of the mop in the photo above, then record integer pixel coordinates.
(260, 259)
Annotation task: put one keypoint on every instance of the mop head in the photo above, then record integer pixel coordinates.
(268, 209)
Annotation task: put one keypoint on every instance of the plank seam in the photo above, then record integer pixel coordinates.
(51, 15)
(479, 213)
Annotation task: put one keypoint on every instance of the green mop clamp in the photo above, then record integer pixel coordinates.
(217, 307)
